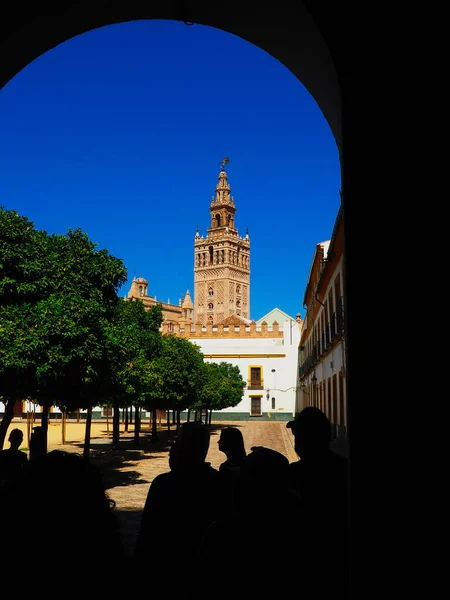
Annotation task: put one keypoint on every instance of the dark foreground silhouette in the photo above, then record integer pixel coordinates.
(12, 460)
(180, 505)
(231, 443)
(273, 528)
(58, 513)
(319, 479)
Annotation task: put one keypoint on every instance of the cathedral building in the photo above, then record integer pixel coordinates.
(174, 316)
(217, 318)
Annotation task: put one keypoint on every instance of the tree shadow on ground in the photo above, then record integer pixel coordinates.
(113, 461)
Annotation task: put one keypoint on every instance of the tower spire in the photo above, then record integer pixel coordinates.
(223, 187)
(221, 262)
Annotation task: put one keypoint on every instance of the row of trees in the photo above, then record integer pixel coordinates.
(68, 340)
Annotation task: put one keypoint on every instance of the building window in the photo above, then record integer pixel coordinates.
(255, 380)
(255, 406)
(273, 403)
(210, 306)
(210, 292)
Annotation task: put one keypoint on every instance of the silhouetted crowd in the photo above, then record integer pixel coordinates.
(258, 524)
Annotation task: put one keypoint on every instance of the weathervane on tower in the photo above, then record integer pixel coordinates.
(225, 161)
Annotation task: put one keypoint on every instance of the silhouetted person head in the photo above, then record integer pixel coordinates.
(312, 432)
(231, 443)
(264, 474)
(192, 444)
(15, 439)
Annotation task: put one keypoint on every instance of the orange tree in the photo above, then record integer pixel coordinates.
(56, 292)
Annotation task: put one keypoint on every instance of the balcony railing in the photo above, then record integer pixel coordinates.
(333, 331)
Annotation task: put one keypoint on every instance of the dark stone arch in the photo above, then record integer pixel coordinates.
(45, 25)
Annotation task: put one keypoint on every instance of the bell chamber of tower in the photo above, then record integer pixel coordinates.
(221, 263)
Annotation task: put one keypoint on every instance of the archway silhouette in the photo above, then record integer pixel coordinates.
(311, 61)
(315, 44)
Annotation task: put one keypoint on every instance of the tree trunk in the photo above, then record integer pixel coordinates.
(30, 421)
(189, 414)
(178, 420)
(154, 426)
(126, 419)
(63, 427)
(87, 433)
(44, 425)
(6, 421)
(116, 426)
(168, 422)
(137, 426)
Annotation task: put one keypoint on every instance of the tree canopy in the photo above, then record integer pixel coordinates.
(56, 291)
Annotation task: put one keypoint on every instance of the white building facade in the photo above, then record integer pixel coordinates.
(267, 357)
(322, 356)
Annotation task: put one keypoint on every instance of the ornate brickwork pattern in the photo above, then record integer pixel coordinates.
(200, 294)
(214, 274)
(220, 295)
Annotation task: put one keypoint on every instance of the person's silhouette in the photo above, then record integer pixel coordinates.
(231, 443)
(180, 504)
(320, 480)
(73, 520)
(256, 525)
(12, 460)
(320, 476)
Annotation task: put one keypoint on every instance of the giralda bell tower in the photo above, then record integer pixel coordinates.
(221, 262)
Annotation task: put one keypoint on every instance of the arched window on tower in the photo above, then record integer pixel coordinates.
(217, 220)
(210, 306)
(211, 255)
(141, 290)
(210, 292)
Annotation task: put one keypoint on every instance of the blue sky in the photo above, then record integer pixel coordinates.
(120, 131)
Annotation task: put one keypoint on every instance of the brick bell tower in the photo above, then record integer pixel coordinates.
(221, 262)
